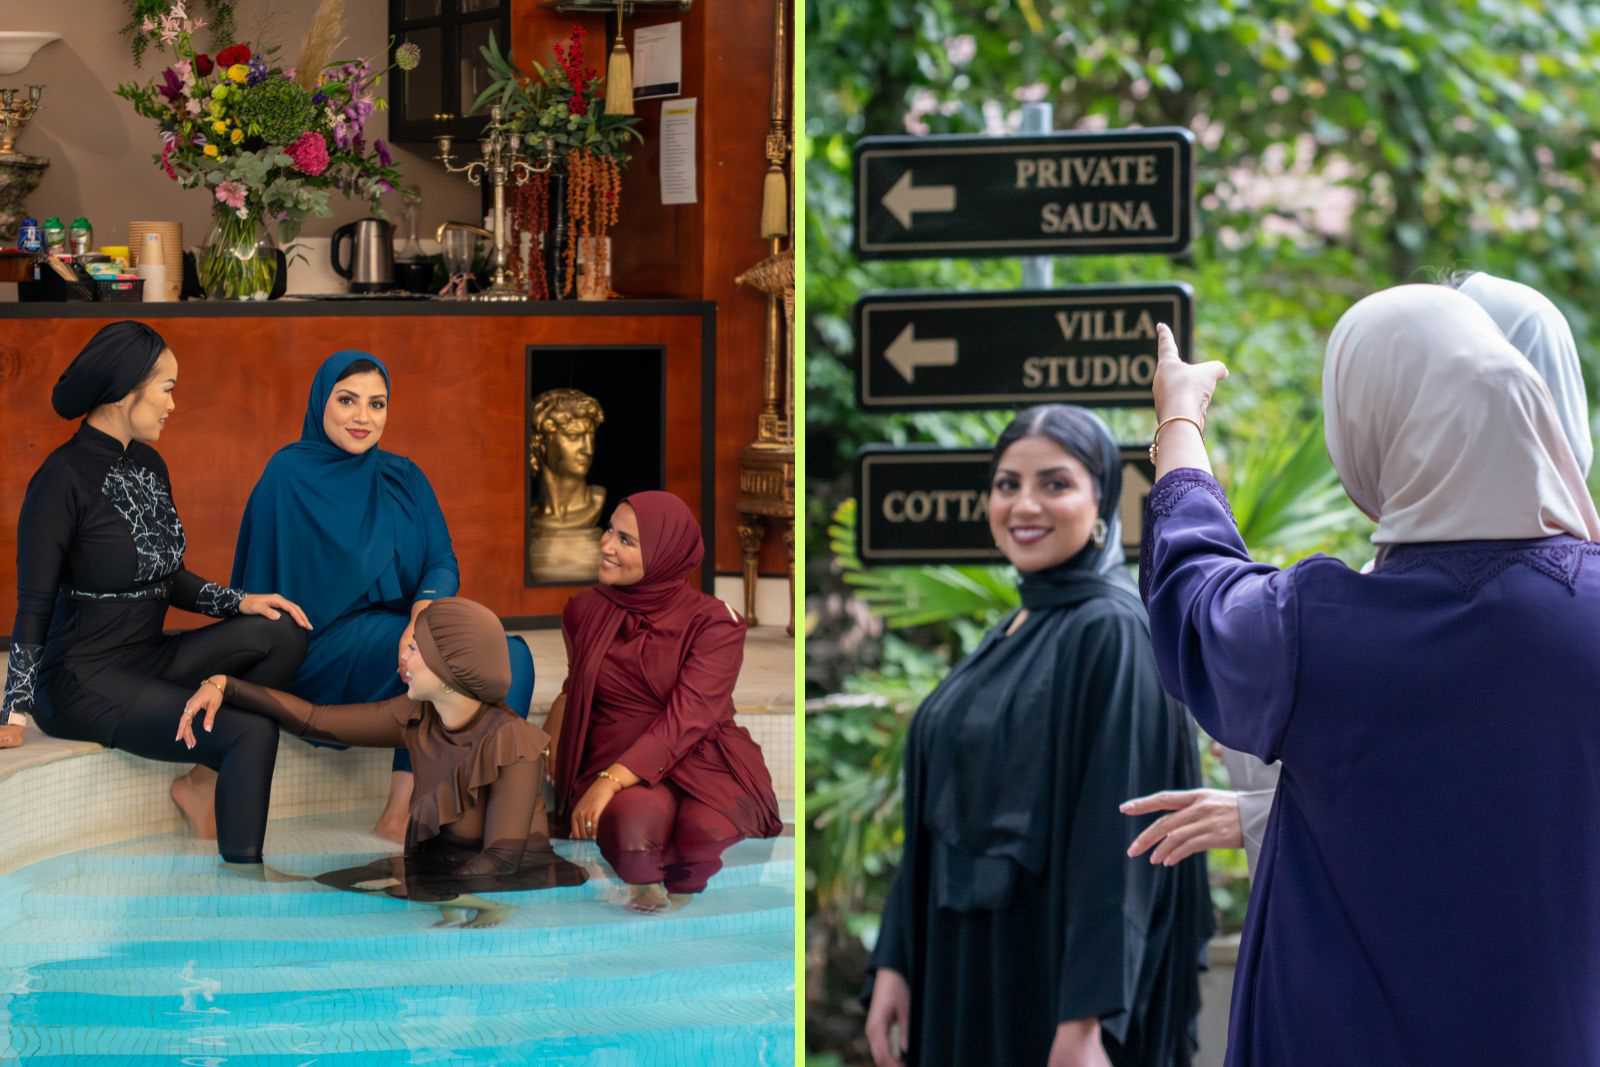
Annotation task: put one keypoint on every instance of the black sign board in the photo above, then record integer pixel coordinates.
(1092, 345)
(1056, 193)
(923, 504)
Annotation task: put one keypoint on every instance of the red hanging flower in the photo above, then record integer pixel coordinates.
(203, 65)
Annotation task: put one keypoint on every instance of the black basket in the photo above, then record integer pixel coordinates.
(130, 290)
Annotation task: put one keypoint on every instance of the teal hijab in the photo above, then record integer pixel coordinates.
(324, 522)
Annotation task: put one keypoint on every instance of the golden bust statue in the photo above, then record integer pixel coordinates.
(563, 542)
(560, 453)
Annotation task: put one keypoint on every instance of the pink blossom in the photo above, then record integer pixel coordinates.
(309, 153)
(231, 193)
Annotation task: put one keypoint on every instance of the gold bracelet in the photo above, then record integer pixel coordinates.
(214, 685)
(1155, 442)
(608, 776)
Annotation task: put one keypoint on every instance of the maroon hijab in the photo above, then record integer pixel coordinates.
(672, 546)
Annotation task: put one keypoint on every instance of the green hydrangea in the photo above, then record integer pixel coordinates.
(277, 110)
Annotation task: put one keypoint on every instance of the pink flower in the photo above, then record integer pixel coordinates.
(231, 193)
(309, 153)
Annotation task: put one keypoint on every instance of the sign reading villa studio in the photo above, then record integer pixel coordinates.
(1092, 345)
(923, 504)
(1058, 193)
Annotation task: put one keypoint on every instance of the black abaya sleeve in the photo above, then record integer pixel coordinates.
(897, 929)
(1123, 746)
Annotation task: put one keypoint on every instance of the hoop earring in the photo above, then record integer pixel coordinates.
(1098, 532)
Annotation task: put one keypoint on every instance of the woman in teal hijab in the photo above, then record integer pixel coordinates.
(354, 534)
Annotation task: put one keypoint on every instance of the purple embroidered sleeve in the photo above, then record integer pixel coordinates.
(1223, 627)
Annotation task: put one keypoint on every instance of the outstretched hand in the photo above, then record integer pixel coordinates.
(1200, 819)
(1182, 388)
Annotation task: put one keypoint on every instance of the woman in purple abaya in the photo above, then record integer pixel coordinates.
(1435, 719)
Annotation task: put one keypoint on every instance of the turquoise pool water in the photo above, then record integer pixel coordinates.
(146, 953)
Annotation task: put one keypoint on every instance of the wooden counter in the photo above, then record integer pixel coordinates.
(459, 408)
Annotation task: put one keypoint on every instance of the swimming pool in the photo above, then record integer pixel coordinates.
(146, 953)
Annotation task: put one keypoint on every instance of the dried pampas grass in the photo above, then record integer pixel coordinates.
(316, 49)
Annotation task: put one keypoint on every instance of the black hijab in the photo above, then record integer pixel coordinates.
(995, 724)
(115, 360)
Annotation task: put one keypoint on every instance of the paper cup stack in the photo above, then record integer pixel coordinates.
(171, 251)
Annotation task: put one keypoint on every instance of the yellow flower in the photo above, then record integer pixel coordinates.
(239, 73)
(211, 150)
(219, 127)
(237, 135)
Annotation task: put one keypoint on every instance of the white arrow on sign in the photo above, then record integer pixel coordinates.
(906, 198)
(907, 353)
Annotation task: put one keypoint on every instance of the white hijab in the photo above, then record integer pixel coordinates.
(1441, 430)
(1539, 331)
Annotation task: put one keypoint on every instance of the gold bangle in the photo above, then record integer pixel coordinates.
(608, 776)
(1155, 441)
(214, 685)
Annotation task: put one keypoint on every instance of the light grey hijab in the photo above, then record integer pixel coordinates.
(1537, 329)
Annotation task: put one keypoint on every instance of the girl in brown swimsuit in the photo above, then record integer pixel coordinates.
(477, 819)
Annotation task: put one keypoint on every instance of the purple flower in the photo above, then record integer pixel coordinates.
(258, 70)
(383, 153)
(172, 88)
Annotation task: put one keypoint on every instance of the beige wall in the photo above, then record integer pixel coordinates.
(100, 151)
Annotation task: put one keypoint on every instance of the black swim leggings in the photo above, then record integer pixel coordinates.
(242, 748)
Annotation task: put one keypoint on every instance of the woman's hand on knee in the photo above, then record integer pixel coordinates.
(272, 606)
(889, 1018)
(586, 816)
(205, 702)
(1200, 819)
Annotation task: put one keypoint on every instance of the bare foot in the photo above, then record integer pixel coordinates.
(680, 899)
(648, 899)
(449, 916)
(397, 809)
(195, 794)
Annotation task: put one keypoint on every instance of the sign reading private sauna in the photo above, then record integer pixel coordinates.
(921, 505)
(1069, 193)
(1082, 345)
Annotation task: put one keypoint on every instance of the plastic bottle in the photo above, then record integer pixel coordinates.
(30, 238)
(80, 238)
(55, 236)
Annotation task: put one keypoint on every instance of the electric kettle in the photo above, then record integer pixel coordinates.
(368, 265)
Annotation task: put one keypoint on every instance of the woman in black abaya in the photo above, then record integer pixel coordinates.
(1018, 931)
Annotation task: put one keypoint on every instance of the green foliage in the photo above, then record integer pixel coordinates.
(277, 110)
(541, 108)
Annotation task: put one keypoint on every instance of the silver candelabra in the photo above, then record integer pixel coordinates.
(503, 164)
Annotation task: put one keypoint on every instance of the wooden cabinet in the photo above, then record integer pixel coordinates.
(433, 99)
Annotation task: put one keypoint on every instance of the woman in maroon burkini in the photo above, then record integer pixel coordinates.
(649, 761)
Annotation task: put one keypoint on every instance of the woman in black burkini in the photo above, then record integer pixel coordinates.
(1018, 931)
(99, 556)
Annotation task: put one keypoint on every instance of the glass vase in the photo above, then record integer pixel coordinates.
(240, 260)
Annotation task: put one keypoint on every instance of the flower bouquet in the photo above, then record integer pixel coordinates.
(562, 107)
(271, 144)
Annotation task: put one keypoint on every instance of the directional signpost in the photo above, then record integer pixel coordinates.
(1066, 193)
(1118, 191)
(923, 504)
(1082, 345)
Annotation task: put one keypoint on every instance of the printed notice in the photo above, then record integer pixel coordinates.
(677, 151)
(657, 61)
